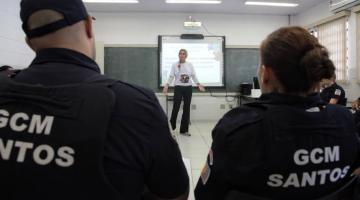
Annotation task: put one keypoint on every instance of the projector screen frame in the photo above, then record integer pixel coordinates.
(160, 39)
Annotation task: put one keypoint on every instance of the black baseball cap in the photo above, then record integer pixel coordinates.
(72, 10)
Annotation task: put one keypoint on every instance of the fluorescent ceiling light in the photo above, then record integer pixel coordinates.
(111, 1)
(195, 1)
(257, 3)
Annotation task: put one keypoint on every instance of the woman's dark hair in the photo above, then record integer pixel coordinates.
(297, 58)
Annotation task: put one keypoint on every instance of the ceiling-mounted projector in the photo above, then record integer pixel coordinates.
(192, 36)
(191, 23)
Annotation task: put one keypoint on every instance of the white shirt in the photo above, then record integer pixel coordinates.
(183, 73)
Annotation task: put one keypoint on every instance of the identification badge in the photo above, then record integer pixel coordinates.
(337, 92)
(205, 173)
(313, 109)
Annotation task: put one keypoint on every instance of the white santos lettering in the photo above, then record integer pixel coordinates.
(23, 146)
(275, 180)
(66, 154)
(41, 154)
(306, 179)
(292, 180)
(314, 156)
(49, 155)
(5, 150)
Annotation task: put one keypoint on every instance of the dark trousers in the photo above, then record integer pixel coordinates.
(181, 92)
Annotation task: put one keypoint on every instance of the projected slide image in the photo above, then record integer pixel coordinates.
(206, 56)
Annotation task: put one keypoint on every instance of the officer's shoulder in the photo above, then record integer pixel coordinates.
(121, 88)
(338, 111)
(132, 90)
(240, 116)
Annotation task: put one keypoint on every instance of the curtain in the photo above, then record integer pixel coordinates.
(358, 45)
(333, 35)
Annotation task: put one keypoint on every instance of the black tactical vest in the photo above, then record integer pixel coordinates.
(350, 191)
(295, 152)
(52, 141)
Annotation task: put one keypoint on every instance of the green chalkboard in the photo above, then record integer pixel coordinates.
(241, 66)
(139, 65)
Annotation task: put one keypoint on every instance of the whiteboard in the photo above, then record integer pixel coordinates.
(206, 55)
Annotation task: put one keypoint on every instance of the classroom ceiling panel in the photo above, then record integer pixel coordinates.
(226, 7)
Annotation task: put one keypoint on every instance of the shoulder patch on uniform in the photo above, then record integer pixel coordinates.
(313, 109)
(211, 157)
(337, 92)
(205, 173)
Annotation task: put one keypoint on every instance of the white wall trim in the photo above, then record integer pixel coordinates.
(355, 9)
(155, 45)
(329, 19)
(100, 55)
(131, 45)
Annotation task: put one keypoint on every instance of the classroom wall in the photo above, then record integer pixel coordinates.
(321, 11)
(13, 49)
(203, 107)
(142, 29)
(313, 14)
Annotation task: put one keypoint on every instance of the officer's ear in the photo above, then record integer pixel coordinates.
(89, 27)
(28, 42)
(264, 74)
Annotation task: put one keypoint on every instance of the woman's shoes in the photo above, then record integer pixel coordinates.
(185, 133)
(173, 127)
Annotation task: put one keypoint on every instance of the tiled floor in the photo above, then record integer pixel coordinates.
(195, 148)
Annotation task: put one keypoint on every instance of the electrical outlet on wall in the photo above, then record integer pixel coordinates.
(193, 106)
(222, 106)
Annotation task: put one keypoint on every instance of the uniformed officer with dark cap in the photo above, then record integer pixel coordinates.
(289, 145)
(68, 132)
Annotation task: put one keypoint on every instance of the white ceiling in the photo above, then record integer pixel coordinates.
(227, 7)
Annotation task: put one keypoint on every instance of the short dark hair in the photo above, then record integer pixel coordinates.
(299, 61)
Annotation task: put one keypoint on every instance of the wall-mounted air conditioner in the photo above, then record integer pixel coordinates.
(340, 5)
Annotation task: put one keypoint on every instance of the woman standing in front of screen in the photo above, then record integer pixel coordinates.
(182, 71)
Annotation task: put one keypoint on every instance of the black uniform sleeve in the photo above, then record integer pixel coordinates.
(212, 182)
(167, 173)
(228, 151)
(358, 161)
(140, 149)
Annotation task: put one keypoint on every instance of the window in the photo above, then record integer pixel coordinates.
(334, 36)
(358, 45)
